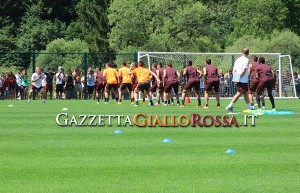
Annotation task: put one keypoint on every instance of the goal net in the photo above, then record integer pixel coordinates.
(285, 85)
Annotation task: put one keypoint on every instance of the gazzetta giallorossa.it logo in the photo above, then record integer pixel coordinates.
(145, 120)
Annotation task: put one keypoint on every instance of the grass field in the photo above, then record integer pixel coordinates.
(38, 156)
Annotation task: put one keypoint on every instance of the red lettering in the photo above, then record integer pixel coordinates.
(196, 120)
(233, 121)
(225, 122)
(218, 122)
(210, 118)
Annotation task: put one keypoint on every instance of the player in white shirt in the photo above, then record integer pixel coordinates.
(82, 87)
(36, 84)
(240, 69)
(19, 88)
(59, 83)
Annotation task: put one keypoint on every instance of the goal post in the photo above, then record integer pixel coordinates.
(282, 65)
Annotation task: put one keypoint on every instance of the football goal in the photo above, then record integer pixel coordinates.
(282, 65)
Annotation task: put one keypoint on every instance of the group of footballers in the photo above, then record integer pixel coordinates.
(164, 81)
(160, 80)
(263, 77)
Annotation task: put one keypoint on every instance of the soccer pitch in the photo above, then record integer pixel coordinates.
(37, 155)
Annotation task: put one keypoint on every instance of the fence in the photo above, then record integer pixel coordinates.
(282, 64)
(68, 60)
(224, 61)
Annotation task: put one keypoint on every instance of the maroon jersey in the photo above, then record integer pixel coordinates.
(264, 72)
(161, 73)
(153, 79)
(171, 75)
(253, 70)
(99, 77)
(134, 79)
(212, 73)
(192, 73)
(12, 80)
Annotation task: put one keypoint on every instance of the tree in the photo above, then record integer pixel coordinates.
(292, 20)
(92, 24)
(223, 14)
(257, 45)
(35, 33)
(64, 54)
(286, 42)
(259, 18)
(63, 11)
(161, 26)
(7, 44)
(14, 10)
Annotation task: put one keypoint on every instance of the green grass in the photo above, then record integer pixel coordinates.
(36, 155)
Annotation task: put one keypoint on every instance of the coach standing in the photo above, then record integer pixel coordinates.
(240, 75)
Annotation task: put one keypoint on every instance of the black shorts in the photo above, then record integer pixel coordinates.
(100, 87)
(144, 86)
(126, 85)
(12, 87)
(35, 89)
(59, 88)
(111, 86)
(242, 87)
(90, 89)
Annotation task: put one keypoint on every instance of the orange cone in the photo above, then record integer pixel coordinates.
(188, 100)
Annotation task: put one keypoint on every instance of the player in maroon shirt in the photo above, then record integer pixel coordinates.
(170, 81)
(160, 87)
(154, 85)
(98, 77)
(254, 83)
(211, 77)
(193, 82)
(266, 76)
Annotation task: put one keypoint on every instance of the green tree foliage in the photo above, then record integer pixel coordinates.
(223, 13)
(161, 26)
(293, 15)
(13, 10)
(35, 33)
(92, 24)
(256, 45)
(75, 48)
(63, 11)
(156, 25)
(7, 44)
(286, 42)
(259, 18)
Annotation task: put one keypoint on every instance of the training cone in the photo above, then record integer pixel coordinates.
(167, 140)
(188, 100)
(230, 151)
(118, 132)
(64, 109)
(10, 105)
